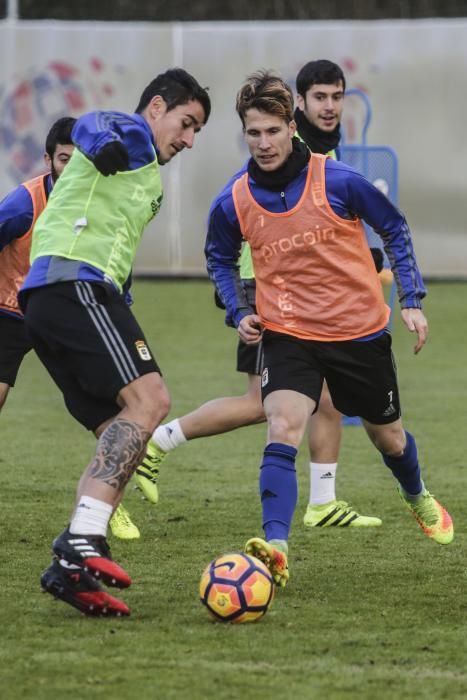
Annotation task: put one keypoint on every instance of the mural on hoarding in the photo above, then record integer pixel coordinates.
(41, 96)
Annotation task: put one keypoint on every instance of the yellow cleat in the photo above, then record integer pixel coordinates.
(275, 560)
(122, 526)
(147, 474)
(434, 520)
(337, 514)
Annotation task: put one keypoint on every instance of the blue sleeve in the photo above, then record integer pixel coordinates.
(16, 212)
(352, 195)
(126, 290)
(222, 250)
(94, 130)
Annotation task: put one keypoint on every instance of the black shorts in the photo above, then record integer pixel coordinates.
(90, 343)
(250, 357)
(14, 344)
(361, 375)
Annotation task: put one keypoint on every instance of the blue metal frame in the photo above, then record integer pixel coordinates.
(365, 151)
(368, 114)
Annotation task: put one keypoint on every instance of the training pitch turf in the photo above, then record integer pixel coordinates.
(377, 614)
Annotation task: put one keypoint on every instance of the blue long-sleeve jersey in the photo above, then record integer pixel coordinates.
(16, 212)
(90, 134)
(349, 194)
(95, 130)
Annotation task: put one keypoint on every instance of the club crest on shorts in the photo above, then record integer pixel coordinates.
(264, 377)
(142, 349)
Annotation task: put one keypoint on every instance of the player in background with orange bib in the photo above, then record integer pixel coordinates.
(321, 313)
(19, 211)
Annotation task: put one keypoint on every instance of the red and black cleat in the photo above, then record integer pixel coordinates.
(92, 553)
(82, 591)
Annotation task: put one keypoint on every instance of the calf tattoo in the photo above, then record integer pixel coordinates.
(120, 449)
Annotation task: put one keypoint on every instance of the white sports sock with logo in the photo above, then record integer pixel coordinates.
(322, 483)
(169, 436)
(91, 517)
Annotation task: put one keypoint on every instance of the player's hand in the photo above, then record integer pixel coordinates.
(111, 158)
(416, 322)
(250, 329)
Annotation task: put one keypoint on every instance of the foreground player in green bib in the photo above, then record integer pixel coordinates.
(82, 328)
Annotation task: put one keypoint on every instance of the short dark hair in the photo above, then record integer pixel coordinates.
(265, 91)
(176, 87)
(60, 132)
(318, 72)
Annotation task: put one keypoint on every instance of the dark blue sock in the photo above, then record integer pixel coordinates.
(406, 468)
(278, 489)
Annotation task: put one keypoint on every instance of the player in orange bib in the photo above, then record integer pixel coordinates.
(321, 314)
(19, 211)
(320, 99)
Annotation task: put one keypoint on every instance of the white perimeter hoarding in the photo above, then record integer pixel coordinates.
(414, 74)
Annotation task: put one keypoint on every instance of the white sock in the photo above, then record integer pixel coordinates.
(322, 483)
(169, 436)
(91, 517)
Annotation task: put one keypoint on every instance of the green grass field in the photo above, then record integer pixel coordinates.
(374, 615)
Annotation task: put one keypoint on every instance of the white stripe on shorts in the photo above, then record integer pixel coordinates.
(107, 331)
(259, 364)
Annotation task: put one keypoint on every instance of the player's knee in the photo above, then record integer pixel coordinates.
(147, 400)
(395, 448)
(281, 429)
(164, 407)
(390, 440)
(327, 416)
(259, 417)
(157, 404)
(255, 411)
